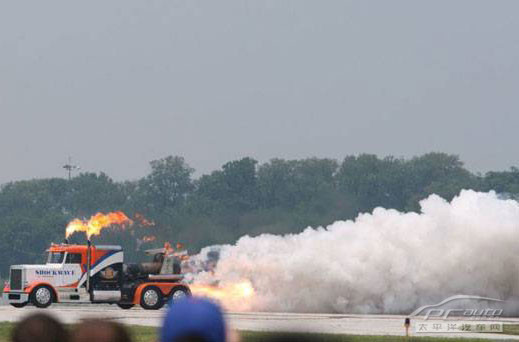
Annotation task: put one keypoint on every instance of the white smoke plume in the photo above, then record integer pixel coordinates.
(385, 261)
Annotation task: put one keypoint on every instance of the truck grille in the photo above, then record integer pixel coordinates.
(16, 279)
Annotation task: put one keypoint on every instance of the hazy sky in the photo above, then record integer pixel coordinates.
(117, 83)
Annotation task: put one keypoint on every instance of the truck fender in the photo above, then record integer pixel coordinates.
(165, 288)
(33, 285)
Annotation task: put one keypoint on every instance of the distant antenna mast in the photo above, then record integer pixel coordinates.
(70, 167)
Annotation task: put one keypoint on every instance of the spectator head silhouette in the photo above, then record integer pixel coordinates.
(39, 327)
(100, 331)
(194, 320)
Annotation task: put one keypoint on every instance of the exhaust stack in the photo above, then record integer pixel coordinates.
(89, 262)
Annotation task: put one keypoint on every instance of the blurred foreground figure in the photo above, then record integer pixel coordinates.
(193, 320)
(39, 327)
(100, 331)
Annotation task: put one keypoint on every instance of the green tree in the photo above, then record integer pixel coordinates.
(373, 182)
(89, 193)
(290, 183)
(503, 182)
(276, 183)
(234, 187)
(280, 196)
(167, 185)
(438, 173)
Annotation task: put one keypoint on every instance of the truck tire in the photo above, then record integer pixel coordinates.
(19, 305)
(178, 293)
(42, 296)
(125, 306)
(152, 298)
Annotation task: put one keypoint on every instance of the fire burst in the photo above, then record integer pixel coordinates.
(96, 223)
(143, 221)
(148, 238)
(170, 250)
(234, 296)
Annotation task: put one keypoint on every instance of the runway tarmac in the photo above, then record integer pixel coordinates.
(255, 321)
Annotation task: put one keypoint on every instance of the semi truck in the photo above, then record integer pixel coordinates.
(97, 274)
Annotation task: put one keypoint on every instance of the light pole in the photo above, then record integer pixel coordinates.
(69, 167)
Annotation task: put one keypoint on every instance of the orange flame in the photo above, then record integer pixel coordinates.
(170, 250)
(148, 238)
(96, 223)
(143, 221)
(234, 296)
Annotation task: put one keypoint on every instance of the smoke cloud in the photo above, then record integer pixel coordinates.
(382, 262)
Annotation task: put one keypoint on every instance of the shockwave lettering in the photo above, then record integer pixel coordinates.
(54, 273)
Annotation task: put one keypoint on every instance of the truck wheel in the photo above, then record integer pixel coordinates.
(125, 306)
(152, 298)
(19, 305)
(42, 296)
(179, 293)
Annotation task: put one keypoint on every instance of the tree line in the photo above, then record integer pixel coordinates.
(242, 197)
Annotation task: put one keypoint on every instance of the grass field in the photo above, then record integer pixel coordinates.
(149, 334)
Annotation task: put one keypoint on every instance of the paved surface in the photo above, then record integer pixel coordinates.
(326, 323)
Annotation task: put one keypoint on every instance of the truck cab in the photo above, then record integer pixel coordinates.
(94, 274)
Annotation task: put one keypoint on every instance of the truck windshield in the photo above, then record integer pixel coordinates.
(55, 257)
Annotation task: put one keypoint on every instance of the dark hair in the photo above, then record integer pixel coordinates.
(100, 331)
(39, 327)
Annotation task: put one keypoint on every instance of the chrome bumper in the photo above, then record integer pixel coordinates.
(15, 297)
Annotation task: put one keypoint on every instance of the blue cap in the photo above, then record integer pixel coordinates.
(194, 316)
